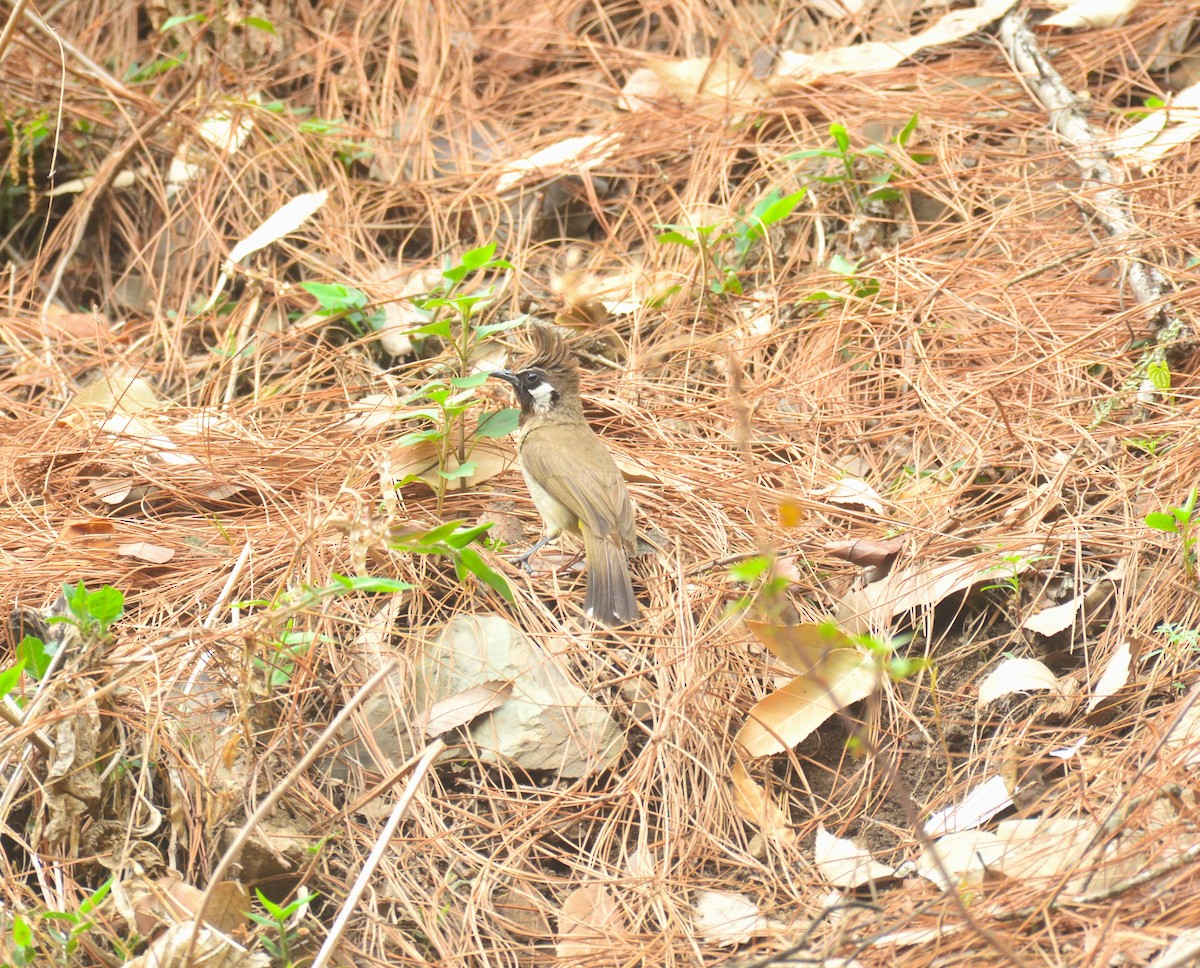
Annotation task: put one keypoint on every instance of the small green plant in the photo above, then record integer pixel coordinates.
(279, 918)
(1147, 445)
(74, 924)
(336, 301)
(765, 596)
(1159, 375)
(1179, 521)
(850, 160)
(857, 286)
(93, 613)
(454, 539)
(21, 946)
(10, 677)
(1010, 582)
(445, 403)
(1178, 636)
(725, 247)
(897, 667)
(453, 307)
(278, 667)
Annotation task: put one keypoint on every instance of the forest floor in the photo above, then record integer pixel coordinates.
(884, 308)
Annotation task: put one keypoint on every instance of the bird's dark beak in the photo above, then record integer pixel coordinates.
(506, 375)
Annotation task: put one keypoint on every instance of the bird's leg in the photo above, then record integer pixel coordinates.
(523, 561)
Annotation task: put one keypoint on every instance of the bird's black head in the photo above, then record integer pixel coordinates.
(536, 392)
(549, 379)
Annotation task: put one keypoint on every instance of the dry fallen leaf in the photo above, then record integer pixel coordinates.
(155, 554)
(1016, 675)
(754, 806)
(587, 921)
(1092, 13)
(569, 156)
(879, 55)
(871, 609)
(844, 863)
(1114, 676)
(802, 646)
(959, 859)
(726, 918)
(791, 714)
(982, 803)
(851, 492)
(866, 551)
(711, 87)
(462, 708)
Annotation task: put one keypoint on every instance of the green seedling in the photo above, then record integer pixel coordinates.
(725, 247)
(92, 612)
(279, 918)
(1159, 375)
(1179, 521)
(345, 302)
(455, 539)
(280, 665)
(850, 160)
(1147, 445)
(21, 946)
(857, 286)
(454, 311)
(766, 589)
(74, 924)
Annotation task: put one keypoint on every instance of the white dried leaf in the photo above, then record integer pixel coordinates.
(725, 918)
(1114, 676)
(977, 807)
(577, 154)
(1016, 675)
(1092, 13)
(286, 220)
(844, 863)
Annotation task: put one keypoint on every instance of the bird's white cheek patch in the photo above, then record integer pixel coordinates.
(542, 396)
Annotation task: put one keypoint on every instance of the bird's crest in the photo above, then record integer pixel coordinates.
(552, 354)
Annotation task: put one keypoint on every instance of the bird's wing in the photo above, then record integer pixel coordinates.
(584, 479)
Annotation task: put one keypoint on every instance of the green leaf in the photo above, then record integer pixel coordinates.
(776, 210)
(36, 655)
(466, 382)
(463, 470)
(440, 328)
(96, 898)
(370, 583)
(1162, 522)
(172, 22)
(21, 931)
(106, 605)
(272, 909)
(258, 23)
(498, 424)
(477, 258)
(906, 132)
(76, 597)
(842, 266)
(463, 536)
(675, 238)
(751, 569)
(473, 562)
(838, 132)
(10, 677)
(812, 153)
(490, 329)
(333, 297)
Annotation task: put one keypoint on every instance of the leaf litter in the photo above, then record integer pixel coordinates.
(1011, 386)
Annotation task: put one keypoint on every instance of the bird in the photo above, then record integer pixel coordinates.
(571, 476)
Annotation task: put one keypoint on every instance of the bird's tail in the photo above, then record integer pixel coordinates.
(610, 597)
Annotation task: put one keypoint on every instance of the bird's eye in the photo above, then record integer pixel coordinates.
(532, 379)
